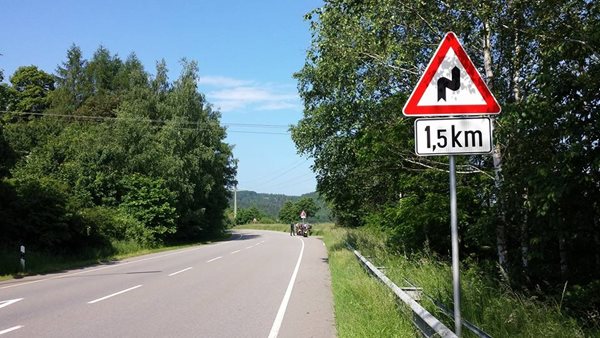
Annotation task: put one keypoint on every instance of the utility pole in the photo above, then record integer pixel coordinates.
(235, 202)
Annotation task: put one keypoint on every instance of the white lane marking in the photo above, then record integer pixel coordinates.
(180, 271)
(10, 329)
(286, 298)
(114, 294)
(250, 247)
(236, 251)
(4, 303)
(214, 259)
(102, 268)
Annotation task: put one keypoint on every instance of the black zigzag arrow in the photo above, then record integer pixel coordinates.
(444, 83)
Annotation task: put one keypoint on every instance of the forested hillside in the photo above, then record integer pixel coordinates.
(104, 151)
(530, 213)
(271, 204)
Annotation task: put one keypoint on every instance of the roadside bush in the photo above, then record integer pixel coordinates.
(37, 214)
(149, 202)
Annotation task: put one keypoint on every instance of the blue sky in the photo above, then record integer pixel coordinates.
(247, 52)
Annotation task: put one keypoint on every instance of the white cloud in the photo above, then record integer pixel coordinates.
(229, 94)
(221, 81)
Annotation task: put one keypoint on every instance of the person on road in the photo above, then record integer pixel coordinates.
(292, 229)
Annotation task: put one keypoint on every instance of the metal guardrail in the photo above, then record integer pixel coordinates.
(479, 332)
(425, 321)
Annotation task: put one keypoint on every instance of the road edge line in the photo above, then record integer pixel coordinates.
(286, 298)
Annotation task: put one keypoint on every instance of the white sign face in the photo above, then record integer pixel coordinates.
(465, 92)
(453, 136)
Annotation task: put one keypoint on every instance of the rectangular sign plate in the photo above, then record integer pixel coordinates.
(453, 136)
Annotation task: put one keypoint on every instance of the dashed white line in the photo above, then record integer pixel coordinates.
(10, 329)
(214, 259)
(8, 302)
(236, 251)
(180, 271)
(114, 294)
(250, 247)
(119, 264)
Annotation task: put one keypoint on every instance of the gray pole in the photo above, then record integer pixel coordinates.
(23, 258)
(455, 258)
(235, 202)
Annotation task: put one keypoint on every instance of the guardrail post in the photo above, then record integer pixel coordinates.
(23, 258)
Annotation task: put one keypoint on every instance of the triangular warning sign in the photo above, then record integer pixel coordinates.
(451, 85)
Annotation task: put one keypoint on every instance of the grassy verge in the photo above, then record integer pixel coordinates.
(365, 308)
(495, 308)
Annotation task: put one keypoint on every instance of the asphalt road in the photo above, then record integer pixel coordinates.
(259, 284)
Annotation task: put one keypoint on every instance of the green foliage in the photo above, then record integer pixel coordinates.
(543, 67)
(290, 212)
(31, 87)
(34, 212)
(490, 305)
(249, 215)
(151, 204)
(117, 155)
(271, 204)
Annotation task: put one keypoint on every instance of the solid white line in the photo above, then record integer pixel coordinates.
(214, 259)
(286, 298)
(180, 271)
(11, 329)
(114, 294)
(236, 251)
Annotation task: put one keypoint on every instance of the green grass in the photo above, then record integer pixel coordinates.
(493, 307)
(365, 308)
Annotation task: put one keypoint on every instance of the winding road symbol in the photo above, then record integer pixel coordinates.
(444, 83)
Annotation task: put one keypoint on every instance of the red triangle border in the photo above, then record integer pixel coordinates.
(450, 41)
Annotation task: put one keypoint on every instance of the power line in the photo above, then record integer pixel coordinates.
(185, 124)
(275, 175)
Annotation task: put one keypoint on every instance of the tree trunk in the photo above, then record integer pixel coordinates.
(597, 241)
(524, 246)
(562, 250)
(501, 227)
(516, 78)
(525, 236)
(501, 224)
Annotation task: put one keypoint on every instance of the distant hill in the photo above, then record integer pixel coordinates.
(270, 204)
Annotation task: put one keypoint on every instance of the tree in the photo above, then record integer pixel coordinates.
(129, 157)
(290, 211)
(248, 215)
(364, 60)
(32, 87)
(73, 86)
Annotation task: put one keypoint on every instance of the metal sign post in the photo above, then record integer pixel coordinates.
(455, 258)
(451, 87)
